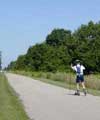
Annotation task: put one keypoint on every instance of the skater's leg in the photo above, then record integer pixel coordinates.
(77, 91)
(83, 85)
(77, 86)
(84, 88)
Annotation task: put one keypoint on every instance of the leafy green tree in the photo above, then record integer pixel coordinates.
(21, 62)
(58, 37)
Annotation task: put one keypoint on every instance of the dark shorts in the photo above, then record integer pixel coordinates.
(79, 78)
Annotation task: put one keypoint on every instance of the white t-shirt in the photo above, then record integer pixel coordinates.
(82, 68)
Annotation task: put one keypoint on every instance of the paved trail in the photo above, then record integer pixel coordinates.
(47, 102)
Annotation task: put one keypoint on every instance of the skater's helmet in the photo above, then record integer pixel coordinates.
(77, 61)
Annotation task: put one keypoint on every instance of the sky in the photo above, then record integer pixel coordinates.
(24, 23)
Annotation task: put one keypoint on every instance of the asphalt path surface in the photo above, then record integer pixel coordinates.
(43, 101)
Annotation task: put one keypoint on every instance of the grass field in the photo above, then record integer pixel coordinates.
(66, 80)
(10, 106)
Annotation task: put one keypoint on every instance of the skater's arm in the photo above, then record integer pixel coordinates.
(83, 67)
(73, 67)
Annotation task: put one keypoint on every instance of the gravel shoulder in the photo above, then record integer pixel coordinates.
(47, 102)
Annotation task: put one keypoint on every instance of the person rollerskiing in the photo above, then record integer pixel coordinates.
(79, 69)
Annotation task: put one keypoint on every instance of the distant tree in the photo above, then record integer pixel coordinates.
(21, 62)
(58, 37)
(11, 66)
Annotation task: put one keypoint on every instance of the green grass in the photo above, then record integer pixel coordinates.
(10, 106)
(66, 80)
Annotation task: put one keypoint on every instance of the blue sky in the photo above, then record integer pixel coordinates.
(24, 23)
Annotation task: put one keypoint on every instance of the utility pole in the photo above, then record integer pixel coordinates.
(0, 60)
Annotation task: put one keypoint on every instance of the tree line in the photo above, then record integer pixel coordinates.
(60, 48)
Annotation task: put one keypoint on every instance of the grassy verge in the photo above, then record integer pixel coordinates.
(10, 106)
(66, 80)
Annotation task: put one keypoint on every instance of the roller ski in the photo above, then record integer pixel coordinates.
(77, 93)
